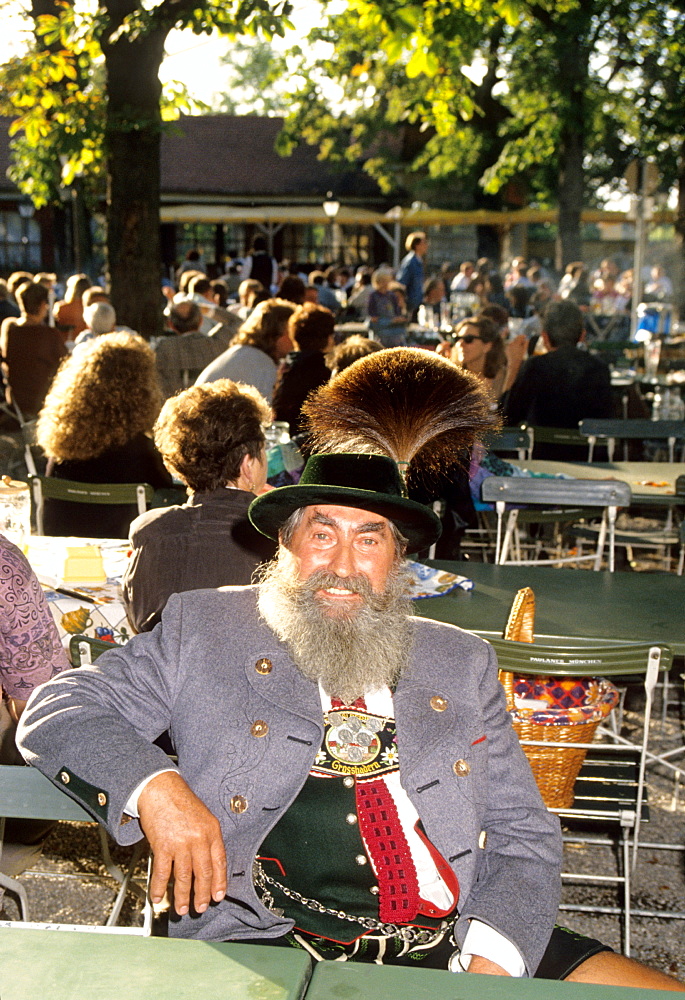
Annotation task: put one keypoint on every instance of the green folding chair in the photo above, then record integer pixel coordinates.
(610, 788)
(668, 432)
(47, 487)
(556, 496)
(27, 794)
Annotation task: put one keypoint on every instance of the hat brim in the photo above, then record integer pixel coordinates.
(418, 523)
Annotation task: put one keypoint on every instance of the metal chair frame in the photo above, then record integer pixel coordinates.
(618, 803)
(26, 794)
(554, 495)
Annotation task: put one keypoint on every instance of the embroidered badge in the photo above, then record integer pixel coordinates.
(358, 743)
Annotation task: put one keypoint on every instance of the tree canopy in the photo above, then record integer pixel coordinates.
(88, 91)
(514, 99)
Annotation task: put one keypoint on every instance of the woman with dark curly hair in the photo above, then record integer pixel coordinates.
(212, 437)
(95, 427)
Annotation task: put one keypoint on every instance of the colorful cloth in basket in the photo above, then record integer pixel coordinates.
(570, 699)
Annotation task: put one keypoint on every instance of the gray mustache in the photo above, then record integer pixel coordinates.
(323, 579)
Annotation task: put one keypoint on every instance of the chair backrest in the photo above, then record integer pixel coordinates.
(558, 436)
(556, 492)
(587, 659)
(85, 649)
(631, 430)
(518, 439)
(43, 487)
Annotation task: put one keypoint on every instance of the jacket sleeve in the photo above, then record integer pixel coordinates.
(518, 886)
(90, 730)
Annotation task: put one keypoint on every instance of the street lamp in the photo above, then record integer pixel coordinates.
(331, 209)
(26, 211)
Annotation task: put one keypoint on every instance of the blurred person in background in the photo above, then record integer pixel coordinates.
(68, 314)
(261, 265)
(411, 272)
(479, 348)
(311, 328)
(31, 350)
(99, 318)
(260, 344)
(345, 354)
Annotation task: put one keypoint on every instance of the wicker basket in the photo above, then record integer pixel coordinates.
(555, 769)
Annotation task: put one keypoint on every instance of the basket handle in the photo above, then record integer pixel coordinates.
(519, 628)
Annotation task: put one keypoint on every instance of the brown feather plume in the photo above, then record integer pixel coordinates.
(404, 402)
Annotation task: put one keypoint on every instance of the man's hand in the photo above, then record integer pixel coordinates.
(185, 836)
(485, 967)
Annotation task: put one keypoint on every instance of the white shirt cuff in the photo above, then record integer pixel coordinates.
(131, 807)
(483, 940)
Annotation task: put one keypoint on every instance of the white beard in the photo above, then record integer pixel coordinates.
(350, 652)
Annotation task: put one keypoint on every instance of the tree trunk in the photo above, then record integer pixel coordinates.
(679, 276)
(573, 69)
(132, 142)
(571, 193)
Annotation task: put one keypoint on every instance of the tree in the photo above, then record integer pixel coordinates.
(128, 38)
(659, 99)
(547, 100)
(255, 72)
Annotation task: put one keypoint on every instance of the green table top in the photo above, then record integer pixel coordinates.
(352, 981)
(64, 965)
(635, 607)
(635, 474)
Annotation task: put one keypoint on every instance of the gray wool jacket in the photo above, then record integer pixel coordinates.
(212, 668)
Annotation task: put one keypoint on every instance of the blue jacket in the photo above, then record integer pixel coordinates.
(411, 275)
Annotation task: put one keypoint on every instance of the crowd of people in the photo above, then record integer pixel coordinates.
(264, 689)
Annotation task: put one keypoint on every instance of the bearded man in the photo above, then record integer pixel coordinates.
(348, 780)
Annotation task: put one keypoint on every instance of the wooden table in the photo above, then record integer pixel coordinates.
(636, 607)
(62, 965)
(636, 474)
(354, 981)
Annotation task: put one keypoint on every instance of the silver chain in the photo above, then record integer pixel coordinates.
(410, 935)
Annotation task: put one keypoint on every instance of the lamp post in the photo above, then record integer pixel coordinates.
(26, 211)
(331, 209)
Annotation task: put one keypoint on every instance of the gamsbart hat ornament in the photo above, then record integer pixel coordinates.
(390, 418)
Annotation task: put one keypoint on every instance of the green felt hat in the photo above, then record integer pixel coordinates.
(367, 482)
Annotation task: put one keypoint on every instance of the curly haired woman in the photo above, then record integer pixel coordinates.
(95, 427)
(212, 437)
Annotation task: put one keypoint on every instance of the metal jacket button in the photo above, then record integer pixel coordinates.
(65, 777)
(238, 804)
(438, 704)
(461, 768)
(483, 839)
(263, 666)
(360, 859)
(102, 799)
(259, 728)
